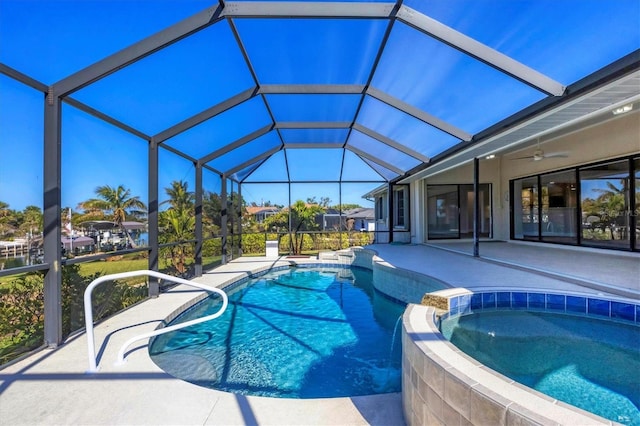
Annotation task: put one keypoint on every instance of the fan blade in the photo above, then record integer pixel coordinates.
(528, 157)
(556, 155)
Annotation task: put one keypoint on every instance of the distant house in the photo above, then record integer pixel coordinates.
(77, 245)
(329, 220)
(363, 218)
(259, 214)
(358, 219)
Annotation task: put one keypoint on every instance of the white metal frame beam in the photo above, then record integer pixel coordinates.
(238, 143)
(253, 160)
(313, 124)
(319, 145)
(419, 114)
(376, 160)
(23, 78)
(311, 89)
(104, 117)
(390, 142)
(137, 51)
(205, 115)
(283, 9)
(479, 51)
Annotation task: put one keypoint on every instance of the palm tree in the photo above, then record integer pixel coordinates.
(178, 223)
(302, 219)
(7, 220)
(116, 203)
(181, 203)
(612, 204)
(211, 209)
(180, 198)
(179, 226)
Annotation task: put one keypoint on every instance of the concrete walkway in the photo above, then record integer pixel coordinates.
(51, 387)
(516, 264)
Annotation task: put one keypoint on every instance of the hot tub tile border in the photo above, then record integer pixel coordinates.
(612, 308)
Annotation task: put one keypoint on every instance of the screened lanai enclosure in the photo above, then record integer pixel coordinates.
(189, 113)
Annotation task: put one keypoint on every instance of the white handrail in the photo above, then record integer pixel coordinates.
(88, 311)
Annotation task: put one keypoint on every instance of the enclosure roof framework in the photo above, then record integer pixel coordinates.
(383, 84)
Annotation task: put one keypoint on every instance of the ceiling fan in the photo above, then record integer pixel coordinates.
(539, 155)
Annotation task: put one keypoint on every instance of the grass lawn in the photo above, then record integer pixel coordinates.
(130, 262)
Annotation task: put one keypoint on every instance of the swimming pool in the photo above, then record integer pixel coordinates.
(295, 333)
(587, 362)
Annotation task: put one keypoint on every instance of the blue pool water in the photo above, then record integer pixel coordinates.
(295, 333)
(592, 364)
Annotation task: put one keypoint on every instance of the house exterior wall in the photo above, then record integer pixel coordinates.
(381, 218)
(615, 138)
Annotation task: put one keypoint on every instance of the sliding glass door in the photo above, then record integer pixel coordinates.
(545, 208)
(593, 205)
(526, 214)
(450, 211)
(559, 207)
(605, 201)
(467, 198)
(443, 211)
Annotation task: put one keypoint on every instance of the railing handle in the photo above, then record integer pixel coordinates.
(88, 311)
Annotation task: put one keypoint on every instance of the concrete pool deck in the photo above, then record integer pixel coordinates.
(542, 266)
(52, 386)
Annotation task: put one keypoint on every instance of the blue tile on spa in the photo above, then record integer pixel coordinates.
(536, 300)
(476, 301)
(488, 300)
(518, 299)
(555, 302)
(577, 304)
(503, 299)
(599, 307)
(623, 311)
(465, 303)
(453, 304)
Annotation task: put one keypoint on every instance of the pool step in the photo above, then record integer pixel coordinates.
(327, 255)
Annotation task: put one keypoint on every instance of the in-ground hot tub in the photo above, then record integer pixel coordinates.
(506, 330)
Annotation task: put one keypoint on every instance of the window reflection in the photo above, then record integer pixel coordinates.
(400, 204)
(467, 198)
(636, 212)
(590, 205)
(559, 204)
(525, 208)
(442, 211)
(605, 204)
(450, 211)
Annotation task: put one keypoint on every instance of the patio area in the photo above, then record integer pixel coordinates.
(52, 386)
(499, 264)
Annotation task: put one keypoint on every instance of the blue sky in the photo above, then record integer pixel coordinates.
(49, 40)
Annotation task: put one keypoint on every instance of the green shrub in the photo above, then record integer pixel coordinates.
(211, 248)
(22, 307)
(254, 244)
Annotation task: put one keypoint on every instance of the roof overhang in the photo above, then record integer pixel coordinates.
(588, 102)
